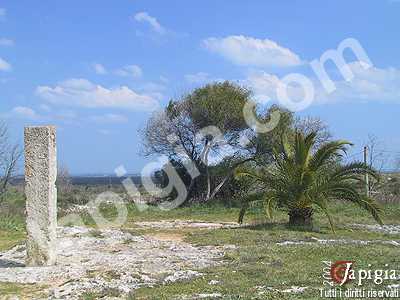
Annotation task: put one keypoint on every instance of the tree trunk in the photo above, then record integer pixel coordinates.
(219, 186)
(222, 183)
(208, 183)
(204, 159)
(301, 217)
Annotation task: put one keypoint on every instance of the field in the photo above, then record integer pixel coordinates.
(262, 260)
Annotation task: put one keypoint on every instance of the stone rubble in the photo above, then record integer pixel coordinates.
(313, 241)
(200, 296)
(186, 224)
(261, 290)
(91, 261)
(388, 229)
(181, 275)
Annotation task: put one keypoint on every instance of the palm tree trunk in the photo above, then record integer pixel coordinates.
(301, 217)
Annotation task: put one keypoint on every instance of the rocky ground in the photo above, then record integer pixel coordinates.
(117, 262)
(110, 259)
(387, 229)
(186, 224)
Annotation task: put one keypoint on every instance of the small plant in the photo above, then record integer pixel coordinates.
(128, 241)
(300, 179)
(106, 292)
(96, 233)
(11, 223)
(111, 274)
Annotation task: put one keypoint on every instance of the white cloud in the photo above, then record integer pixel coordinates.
(99, 69)
(152, 21)
(83, 93)
(109, 118)
(249, 51)
(131, 70)
(30, 114)
(4, 66)
(374, 84)
(6, 42)
(25, 112)
(263, 85)
(199, 77)
(153, 89)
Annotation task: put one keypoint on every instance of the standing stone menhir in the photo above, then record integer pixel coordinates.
(41, 195)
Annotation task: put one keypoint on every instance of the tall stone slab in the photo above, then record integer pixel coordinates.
(41, 194)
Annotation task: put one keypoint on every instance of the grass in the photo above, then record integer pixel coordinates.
(342, 213)
(94, 295)
(273, 266)
(213, 212)
(9, 239)
(12, 220)
(258, 262)
(24, 291)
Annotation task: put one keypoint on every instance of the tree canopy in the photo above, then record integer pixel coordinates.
(207, 127)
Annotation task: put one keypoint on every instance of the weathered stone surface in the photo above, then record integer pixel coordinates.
(186, 224)
(41, 195)
(109, 259)
(388, 229)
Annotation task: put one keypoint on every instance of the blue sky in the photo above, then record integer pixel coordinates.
(97, 69)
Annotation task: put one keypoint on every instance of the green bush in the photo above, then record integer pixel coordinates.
(12, 223)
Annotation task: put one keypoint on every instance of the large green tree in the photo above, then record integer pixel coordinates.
(185, 131)
(204, 127)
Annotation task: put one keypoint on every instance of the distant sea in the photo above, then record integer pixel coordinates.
(91, 179)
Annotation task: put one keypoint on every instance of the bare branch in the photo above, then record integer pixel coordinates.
(10, 156)
(313, 124)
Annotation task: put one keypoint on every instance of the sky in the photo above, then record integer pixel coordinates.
(98, 69)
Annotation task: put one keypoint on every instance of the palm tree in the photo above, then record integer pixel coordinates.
(302, 178)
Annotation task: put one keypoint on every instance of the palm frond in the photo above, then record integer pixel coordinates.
(246, 202)
(372, 207)
(242, 212)
(299, 178)
(303, 147)
(327, 152)
(269, 201)
(353, 168)
(321, 203)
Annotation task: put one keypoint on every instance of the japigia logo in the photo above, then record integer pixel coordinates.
(336, 275)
